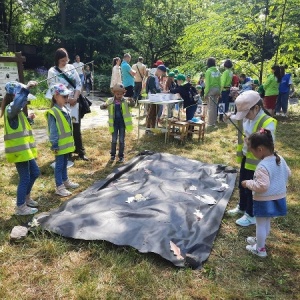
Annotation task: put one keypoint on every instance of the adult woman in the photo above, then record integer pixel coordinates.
(66, 74)
(212, 90)
(226, 81)
(116, 72)
(271, 87)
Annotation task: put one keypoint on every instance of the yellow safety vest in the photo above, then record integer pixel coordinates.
(19, 143)
(65, 134)
(251, 161)
(125, 112)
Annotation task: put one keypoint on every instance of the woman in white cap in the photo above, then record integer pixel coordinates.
(251, 118)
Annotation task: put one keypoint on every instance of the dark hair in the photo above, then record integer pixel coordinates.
(263, 138)
(282, 71)
(228, 64)
(115, 60)
(59, 54)
(261, 105)
(140, 59)
(7, 99)
(277, 73)
(243, 75)
(211, 62)
(53, 101)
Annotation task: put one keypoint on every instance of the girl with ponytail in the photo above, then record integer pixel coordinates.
(268, 187)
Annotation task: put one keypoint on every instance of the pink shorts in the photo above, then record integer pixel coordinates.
(270, 102)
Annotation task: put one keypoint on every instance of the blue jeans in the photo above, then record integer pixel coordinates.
(119, 131)
(60, 172)
(81, 76)
(28, 172)
(190, 111)
(282, 102)
(225, 99)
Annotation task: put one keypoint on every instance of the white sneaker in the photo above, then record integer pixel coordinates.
(24, 210)
(62, 191)
(70, 184)
(246, 220)
(259, 252)
(251, 240)
(235, 211)
(284, 115)
(31, 203)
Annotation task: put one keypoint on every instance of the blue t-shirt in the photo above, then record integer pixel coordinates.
(127, 78)
(284, 86)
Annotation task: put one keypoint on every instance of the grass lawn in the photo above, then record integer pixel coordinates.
(47, 266)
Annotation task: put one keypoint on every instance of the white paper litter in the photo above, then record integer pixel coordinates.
(18, 232)
(193, 188)
(221, 188)
(136, 198)
(198, 214)
(206, 199)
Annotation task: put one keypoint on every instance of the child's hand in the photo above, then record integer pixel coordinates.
(31, 84)
(103, 106)
(244, 183)
(31, 116)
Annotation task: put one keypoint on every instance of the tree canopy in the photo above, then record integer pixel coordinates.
(180, 33)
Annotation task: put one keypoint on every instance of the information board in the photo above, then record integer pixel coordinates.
(11, 69)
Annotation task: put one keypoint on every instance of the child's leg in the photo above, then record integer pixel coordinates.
(24, 180)
(262, 231)
(59, 169)
(34, 174)
(114, 138)
(121, 141)
(65, 168)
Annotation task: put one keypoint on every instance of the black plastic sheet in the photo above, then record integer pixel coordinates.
(151, 203)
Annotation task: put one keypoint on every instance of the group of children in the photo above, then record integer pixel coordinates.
(263, 173)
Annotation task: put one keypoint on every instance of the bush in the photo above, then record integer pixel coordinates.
(102, 83)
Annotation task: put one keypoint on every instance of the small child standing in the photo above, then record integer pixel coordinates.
(88, 80)
(61, 138)
(19, 143)
(119, 120)
(268, 186)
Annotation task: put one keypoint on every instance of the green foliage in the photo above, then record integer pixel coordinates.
(102, 83)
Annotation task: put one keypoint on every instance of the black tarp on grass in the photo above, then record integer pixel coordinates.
(165, 209)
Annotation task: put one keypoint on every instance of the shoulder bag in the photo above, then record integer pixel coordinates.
(84, 102)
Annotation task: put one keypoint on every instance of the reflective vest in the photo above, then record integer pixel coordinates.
(251, 161)
(19, 143)
(65, 134)
(125, 112)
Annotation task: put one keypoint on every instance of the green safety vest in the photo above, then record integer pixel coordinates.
(251, 161)
(65, 134)
(19, 143)
(126, 116)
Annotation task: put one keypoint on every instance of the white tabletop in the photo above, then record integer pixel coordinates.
(147, 101)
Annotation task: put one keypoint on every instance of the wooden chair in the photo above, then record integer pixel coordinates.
(178, 129)
(198, 129)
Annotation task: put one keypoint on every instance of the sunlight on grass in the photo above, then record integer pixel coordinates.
(46, 266)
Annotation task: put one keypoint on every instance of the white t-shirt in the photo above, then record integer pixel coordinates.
(77, 67)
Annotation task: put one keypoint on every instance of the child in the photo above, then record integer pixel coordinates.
(251, 117)
(268, 186)
(88, 80)
(61, 138)
(119, 120)
(19, 143)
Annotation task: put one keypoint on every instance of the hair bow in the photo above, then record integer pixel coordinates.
(262, 131)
